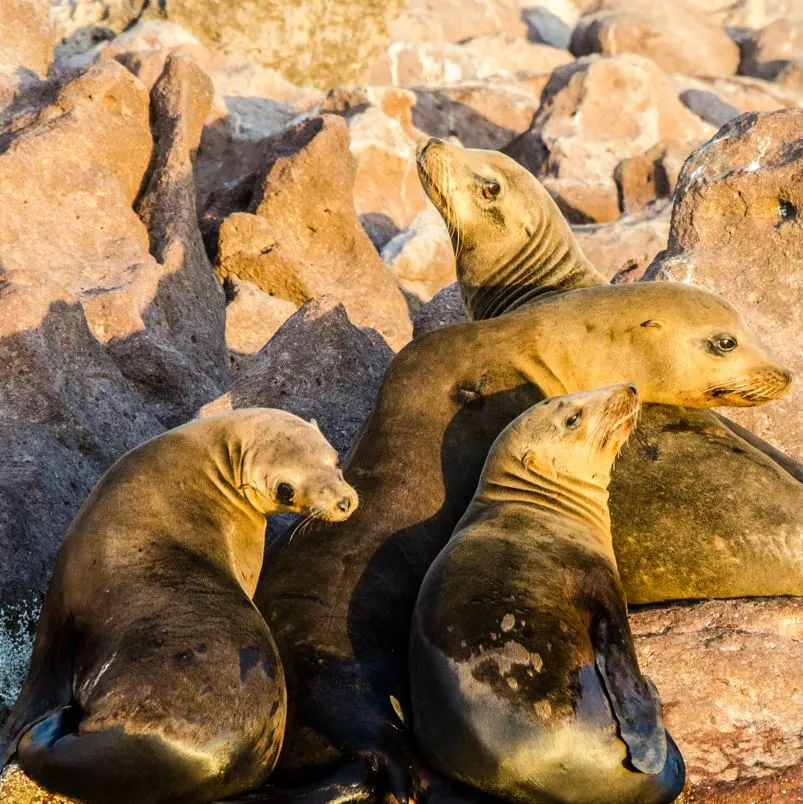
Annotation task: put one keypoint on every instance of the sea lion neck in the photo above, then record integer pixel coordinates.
(582, 500)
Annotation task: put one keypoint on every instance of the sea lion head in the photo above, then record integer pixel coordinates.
(511, 242)
(578, 435)
(287, 466)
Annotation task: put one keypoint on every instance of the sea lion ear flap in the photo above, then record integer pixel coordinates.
(543, 468)
(314, 423)
(633, 697)
(652, 323)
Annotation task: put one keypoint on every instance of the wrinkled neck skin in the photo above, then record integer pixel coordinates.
(580, 500)
(550, 261)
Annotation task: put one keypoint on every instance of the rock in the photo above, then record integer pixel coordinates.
(431, 63)
(75, 172)
(584, 201)
(456, 21)
(672, 34)
(728, 673)
(320, 42)
(622, 250)
(791, 77)
(318, 365)
(736, 229)
(599, 111)
(300, 236)
(16, 787)
(25, 36)
(68, 17)
(421, 257)
(769, 51)
(488, 114)
(742, 92)
(708, 106)
(252, 318)
(445, 308)
(546, 28)
(66, 414)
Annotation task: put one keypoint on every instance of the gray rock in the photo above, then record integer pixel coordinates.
(443, 309)
(546, 28)
(709, 106)
(318, 366)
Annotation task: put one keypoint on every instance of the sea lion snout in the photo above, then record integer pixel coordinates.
(332, 502)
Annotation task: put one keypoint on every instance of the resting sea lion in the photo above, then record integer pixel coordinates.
(735, 515)
(524, 678)
(153, 677)
(339, 605)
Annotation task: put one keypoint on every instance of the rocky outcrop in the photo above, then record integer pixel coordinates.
(25, 36)
(318, 366)
(298, 235)
(736, 229)
(768, 52)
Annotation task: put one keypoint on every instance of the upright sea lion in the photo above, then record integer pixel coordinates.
(153, 677)
(339, 604)
(684, 472)
(520, 648)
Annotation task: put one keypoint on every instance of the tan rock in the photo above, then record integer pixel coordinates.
(742, 92)
(673, 35)
(300, 236)
(736, 229)
(791, 76)
(252, 318)
(599, 111)
(318, 366)
(25, 36)
(729, 677)
(421, 257)
(488, 114)
(770, 50)
(622, 250)
(584, 201)
(17, 788)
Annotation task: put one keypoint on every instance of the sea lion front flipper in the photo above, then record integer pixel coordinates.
(633, 697)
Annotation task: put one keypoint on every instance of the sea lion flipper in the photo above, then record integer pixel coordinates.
(633, 698)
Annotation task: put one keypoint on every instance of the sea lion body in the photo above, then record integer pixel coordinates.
(524, 678)
(339, 604)
(732, 504)
(154, 677)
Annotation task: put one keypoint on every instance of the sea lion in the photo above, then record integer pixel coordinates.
(153, 676)
(339, 604)
(520, 648)
(684, 472)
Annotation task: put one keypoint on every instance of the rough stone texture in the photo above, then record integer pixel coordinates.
(66, 414)
(708, 106)
(68, 17)
(791, 76)
(546, 28)
(320, 42)
(25, 36)
(74, 173)
(742, 92)
(599, 111)
(773, 48)
(456, 21)
(421, 256)
(444, 309)
(17, 788)
(729, 676)
(318, 366)
(736, 229)
(300, 236)
(584, 201)
(672, 34)
(622, 250)
(252, 318)
(481, 115)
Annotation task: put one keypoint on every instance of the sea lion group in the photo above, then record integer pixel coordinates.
(461, 635)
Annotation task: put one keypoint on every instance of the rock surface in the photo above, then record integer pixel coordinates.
(772, 49)
(25, 36)
(736, 229)
(318, 366)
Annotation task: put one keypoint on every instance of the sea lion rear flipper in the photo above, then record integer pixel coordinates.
(633, 697)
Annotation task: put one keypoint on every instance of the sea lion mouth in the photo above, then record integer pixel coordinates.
(619, 419)
(756, 389)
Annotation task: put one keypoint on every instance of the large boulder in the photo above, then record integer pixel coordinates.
(71, 175)
(598, 111)
(737, 229)
(674, 35)
(442, 310)
(318, 366)
(291, 229)
(66, 414)
(728, 673)
(25, 36)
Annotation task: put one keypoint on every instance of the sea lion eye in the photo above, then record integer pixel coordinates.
(574, 418)
(490, 189)
(285, 493)
(726, 343)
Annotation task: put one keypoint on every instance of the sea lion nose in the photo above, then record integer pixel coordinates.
(344, 505)
(424, 145)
